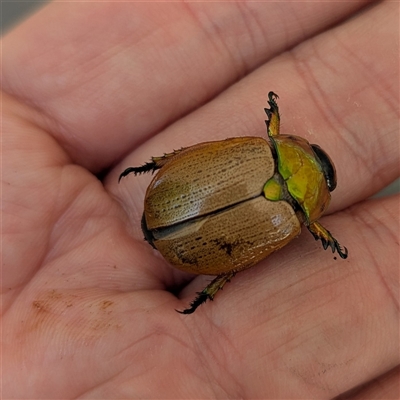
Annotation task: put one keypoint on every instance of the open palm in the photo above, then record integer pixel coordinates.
(88, 306)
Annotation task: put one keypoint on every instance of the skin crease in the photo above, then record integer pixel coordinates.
(88, 307)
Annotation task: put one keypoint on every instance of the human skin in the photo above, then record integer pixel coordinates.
(88, 308)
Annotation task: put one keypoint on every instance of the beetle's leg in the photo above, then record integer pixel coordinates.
(208, 292)
(320, 233)
(155, 164)
(273, 121)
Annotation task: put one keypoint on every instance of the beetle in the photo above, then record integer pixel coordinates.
(217, 208)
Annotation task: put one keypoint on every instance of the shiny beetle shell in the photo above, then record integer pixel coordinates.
(214, 221)
(217, 208)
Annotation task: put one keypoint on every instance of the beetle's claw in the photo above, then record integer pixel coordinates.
(148, 167)
(334, 245)
(272, 99)
(320, 233)
(152, 166)
(209, 291)
(343, 253)
(200, 299)
(273, 121)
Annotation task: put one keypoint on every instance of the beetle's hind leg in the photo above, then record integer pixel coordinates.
(208, 292)
(152, 166)
(320, 233)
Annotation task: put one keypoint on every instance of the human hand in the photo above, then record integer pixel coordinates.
(88, 306)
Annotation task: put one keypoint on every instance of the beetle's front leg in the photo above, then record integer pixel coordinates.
(320, 233)
(208, 292)
(152, 166)
(273, 122)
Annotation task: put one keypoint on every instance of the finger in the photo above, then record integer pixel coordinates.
(108, 77)
(56, 216)
(29, 194)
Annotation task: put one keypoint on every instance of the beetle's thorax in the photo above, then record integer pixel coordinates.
(302, 175)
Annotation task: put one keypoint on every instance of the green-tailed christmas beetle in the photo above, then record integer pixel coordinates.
(217, 208)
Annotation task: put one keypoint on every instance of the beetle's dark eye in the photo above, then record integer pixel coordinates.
(327, 167)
